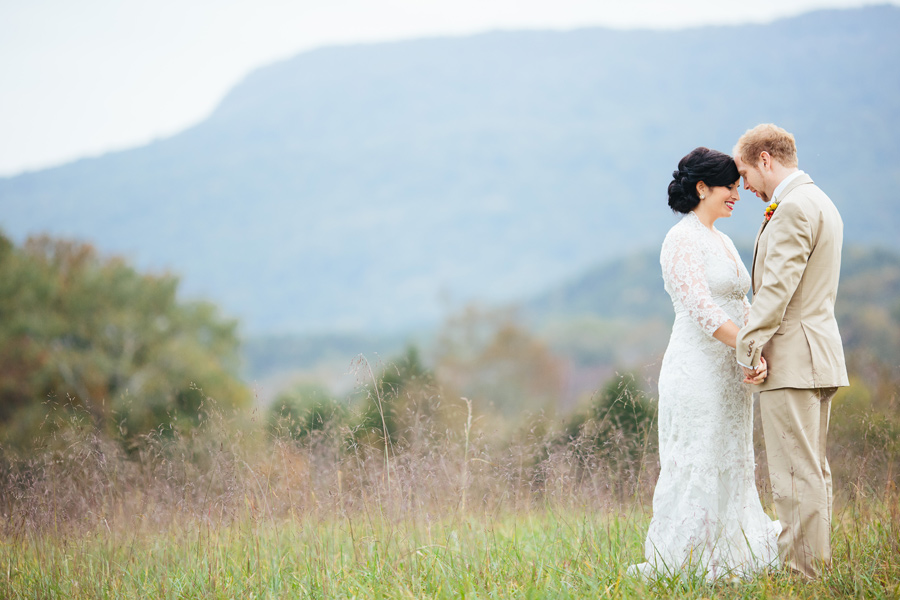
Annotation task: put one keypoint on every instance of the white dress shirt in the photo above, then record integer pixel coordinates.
(784, 183)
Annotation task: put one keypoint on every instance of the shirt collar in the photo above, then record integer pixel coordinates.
(784, 183)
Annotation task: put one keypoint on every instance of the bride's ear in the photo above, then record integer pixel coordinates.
(702, 190)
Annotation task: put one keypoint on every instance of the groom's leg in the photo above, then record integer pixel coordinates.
(825, 396)
(795, 425)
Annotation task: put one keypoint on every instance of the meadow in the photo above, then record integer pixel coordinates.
(455, 507)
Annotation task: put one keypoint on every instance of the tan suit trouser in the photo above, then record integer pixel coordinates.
(795, 424)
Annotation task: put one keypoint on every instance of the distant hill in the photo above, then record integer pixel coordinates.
(618, 312)
(367, 188)
(630, 287)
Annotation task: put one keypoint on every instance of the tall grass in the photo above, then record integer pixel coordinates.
(454, 508)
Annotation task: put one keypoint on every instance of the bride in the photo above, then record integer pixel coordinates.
(707, 517)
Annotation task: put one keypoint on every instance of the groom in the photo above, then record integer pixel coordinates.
(796, 264)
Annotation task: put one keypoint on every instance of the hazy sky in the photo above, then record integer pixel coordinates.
(80, 78)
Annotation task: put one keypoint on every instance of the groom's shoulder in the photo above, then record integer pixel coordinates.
(806, 191)
(810, 201)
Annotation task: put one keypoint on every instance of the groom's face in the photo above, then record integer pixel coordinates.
(753, 178)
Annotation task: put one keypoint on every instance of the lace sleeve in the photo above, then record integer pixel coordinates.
(685, 276)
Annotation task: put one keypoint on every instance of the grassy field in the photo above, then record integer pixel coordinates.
(225, 511)
(543, 553)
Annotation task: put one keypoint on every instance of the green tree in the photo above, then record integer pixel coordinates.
(617, 424)
(395, 405)
(80, 330)
(303, 410)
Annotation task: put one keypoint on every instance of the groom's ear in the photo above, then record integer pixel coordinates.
(765, 161)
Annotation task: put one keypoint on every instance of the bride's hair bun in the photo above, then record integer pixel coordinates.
(682, 196)
(712, 167)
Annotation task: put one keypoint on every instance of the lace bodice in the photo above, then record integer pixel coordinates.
(704, 275)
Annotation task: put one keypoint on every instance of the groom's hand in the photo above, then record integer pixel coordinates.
(758, 375)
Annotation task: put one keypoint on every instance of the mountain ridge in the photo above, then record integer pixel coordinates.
(368, 188)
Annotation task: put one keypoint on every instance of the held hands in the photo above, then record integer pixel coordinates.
(758, 375)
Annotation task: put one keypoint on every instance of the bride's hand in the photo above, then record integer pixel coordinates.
(759, 376)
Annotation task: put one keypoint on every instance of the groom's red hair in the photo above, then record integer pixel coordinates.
(767, 138)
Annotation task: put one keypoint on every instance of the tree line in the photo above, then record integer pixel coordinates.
(87, 335)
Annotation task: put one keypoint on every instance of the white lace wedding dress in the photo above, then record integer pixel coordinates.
(707, 516)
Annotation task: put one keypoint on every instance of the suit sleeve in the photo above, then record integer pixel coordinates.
(788, 249)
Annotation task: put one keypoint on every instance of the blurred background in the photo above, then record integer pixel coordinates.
(240, 202)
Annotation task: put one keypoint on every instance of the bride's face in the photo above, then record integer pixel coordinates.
(720, 200)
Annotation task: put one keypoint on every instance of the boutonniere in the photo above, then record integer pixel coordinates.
(771, 211)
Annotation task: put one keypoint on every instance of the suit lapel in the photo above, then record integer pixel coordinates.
(799, 180)
(755, 251)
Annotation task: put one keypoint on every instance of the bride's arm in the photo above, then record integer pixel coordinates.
(727, 333)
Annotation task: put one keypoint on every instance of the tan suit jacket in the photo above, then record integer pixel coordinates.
(796, 266)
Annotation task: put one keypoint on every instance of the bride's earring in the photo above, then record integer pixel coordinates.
(702, 197)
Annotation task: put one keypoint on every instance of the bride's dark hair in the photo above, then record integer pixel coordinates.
(712, 167)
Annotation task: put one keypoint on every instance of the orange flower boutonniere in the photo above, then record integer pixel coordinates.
(771, 211)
